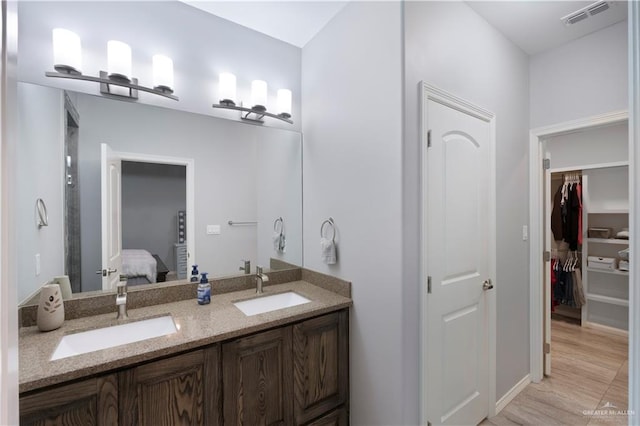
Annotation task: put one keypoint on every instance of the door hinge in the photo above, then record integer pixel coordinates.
(428, 138)
(547, 348)
(546, 256)
(429, 285)
(546, 164)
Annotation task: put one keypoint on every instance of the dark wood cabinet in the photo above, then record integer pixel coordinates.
(292, 375)
(258, 379)
(337, 417)
(181, 390)
(88, 402)
(321, 365)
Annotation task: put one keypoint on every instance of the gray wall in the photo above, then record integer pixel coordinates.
(352, 125)
(226, 175)
(579, 79)
(152, 194)
(40, 174)
(200, 44)
(448, 45)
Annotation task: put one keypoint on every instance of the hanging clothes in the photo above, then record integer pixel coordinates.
(556, 216)
(566, 214)
(578, 290)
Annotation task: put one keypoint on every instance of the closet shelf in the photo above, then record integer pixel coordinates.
(608, 241)
(608, 211)
(609, 271)
(607, 299)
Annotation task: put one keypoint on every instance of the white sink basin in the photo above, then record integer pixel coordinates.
(109, 337)
(260, 305)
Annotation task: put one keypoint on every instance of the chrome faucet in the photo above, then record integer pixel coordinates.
(260, 279)
(121, 298)
(247, 266)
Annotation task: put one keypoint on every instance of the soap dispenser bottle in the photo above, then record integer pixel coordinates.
(204, 290)
(194, 274)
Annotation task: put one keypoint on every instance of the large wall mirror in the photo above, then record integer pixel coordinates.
(173, 164)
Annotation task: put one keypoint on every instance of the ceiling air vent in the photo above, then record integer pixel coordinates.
(594, 9)
(575, 18)
(585, 12)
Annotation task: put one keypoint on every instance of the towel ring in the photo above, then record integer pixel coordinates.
(42, 217)
(333, 228)
(275, 225)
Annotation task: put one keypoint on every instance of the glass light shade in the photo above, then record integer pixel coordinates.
(162, 73)
(259, 94)
(67, 56)
(284, 102)
(118, 60)
(227, 87)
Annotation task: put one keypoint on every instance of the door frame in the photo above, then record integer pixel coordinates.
(536, 227)
(429, 92)
(189, 163)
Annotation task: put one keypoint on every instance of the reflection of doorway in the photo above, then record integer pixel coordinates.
(72, 246)
(142, 211)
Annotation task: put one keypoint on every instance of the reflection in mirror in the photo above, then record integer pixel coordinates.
(173, 164)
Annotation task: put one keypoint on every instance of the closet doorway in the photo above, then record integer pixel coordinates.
(580, 230)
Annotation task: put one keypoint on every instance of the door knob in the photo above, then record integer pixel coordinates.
(487, 285)
(105, 272)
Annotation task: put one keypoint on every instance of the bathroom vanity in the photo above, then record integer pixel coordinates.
(288, 366)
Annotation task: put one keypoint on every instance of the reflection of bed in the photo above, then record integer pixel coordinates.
(139, 266)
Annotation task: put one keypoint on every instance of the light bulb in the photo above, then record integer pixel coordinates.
(163, 73)
(227, 88)
(259, 95)
(118, 60)
(284, 103)
(67, 57)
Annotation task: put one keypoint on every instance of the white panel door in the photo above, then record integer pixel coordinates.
(457, 260)
(111, 183)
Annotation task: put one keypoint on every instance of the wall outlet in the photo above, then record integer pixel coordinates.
(525, 232)
(213, 229)
(37, 264)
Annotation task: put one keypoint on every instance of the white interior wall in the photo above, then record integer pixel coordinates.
(201, 46)
(448, 45)
(279, 195)
(580, 79)
(41, 175)
(352, 126)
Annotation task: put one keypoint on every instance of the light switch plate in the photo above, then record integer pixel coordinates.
(37, 264)
(213, 229)
(525, 232)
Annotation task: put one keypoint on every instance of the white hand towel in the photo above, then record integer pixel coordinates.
(328, 251)
(279, 242)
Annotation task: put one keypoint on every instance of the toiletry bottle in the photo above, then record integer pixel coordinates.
(194, 274)
(204, 290)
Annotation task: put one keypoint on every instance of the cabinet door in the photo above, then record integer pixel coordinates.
(258, 379)
(335, 418)
(89, 402)
(321, 365)
(182, 390)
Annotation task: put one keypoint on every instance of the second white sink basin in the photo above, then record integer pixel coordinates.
(109, 337)
(260, 305)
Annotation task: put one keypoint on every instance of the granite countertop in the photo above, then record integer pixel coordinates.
(198, 325)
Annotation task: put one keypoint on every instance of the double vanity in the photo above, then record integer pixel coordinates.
(277, 358)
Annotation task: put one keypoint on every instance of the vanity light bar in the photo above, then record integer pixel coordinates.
(68, 62)
(227, 92)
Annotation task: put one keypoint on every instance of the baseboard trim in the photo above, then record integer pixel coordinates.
(512, 393)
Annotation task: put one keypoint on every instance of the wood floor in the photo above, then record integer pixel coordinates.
(589, 372)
